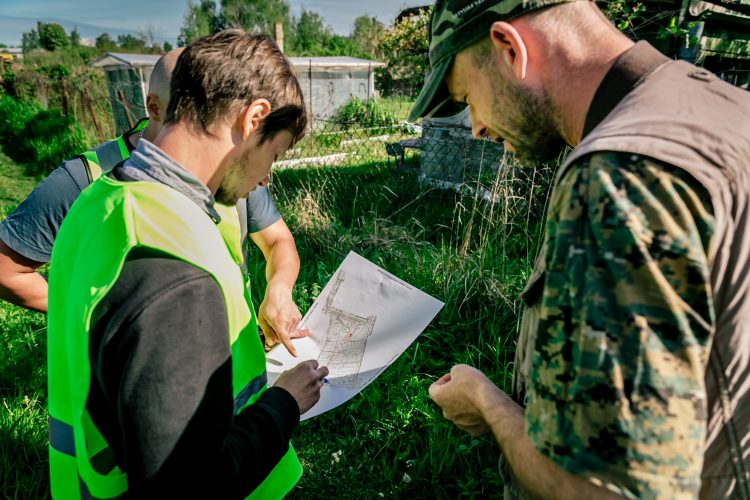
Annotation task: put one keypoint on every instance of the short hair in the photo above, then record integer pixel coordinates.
(218, 74)
(159, 81)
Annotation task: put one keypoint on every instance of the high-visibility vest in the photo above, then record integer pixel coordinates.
(105, 156)
(110, 219)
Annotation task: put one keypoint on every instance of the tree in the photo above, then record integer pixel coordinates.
(259, 16)
(52, 36)
(166, 47)
(200, 20)
(366, 35)
(105, 43)
(131, 43)
(405, 48)
(311, 35)
(30, 41)
(151, 35)
(75, 38)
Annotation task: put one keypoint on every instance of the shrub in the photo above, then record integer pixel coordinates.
(38, 138)
(365, 113)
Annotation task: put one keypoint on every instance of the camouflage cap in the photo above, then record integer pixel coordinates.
(454, 25)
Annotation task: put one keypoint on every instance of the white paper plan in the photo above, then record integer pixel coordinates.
(361, 322)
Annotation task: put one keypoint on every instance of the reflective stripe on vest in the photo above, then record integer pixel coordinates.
(62, 440)
(109, 219)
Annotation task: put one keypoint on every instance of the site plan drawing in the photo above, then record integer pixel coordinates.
(362, 321)
(345, 343)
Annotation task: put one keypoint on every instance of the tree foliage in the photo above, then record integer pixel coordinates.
(624, 14)
(200, 20)
(52, 36)
(132, 43)
(405, 48)
(366, 35)
(311, 35)
(258, 16)
(75, 38)
(105, 43)
(30, 41)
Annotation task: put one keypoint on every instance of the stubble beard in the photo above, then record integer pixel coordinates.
(229, 190)
(532, 119)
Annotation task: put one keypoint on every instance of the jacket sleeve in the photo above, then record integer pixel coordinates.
(161, 362)
(616, 391)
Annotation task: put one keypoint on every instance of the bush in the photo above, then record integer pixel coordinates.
(38, 138)
(364, 113)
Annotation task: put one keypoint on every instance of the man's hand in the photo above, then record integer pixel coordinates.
(471, 401)
(303, 382)
(279, 316)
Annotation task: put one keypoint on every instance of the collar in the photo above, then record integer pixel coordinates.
(624, 75)
(149, 163)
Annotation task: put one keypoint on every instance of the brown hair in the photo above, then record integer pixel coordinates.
(218, 74)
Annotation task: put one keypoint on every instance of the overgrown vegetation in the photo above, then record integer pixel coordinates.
(391, 439)
(23, 375)
(364, 113)
(37, 137)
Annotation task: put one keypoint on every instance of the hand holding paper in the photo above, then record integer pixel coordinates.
(361, 322)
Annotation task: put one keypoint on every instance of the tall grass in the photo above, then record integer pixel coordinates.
(38, 138)
(391, 440)
(23, 375)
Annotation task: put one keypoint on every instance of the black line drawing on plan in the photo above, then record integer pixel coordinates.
(345, 342)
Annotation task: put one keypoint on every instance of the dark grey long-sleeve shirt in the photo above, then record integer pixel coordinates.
(161, 386)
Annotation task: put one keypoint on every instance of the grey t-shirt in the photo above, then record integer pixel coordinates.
(31, 228)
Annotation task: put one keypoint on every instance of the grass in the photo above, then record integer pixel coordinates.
(398, 106)
(391, 441)
(23, 375)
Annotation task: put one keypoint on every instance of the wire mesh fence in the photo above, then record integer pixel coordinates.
(480, 205)
(441, 154)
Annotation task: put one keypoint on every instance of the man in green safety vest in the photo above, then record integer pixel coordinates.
(28, 233)
(157, 383)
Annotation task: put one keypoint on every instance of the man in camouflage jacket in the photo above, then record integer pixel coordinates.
(631, 374)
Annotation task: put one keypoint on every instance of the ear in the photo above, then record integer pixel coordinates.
(154, 108)
(252, 116)
(510, 47)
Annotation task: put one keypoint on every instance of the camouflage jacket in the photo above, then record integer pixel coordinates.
(625, 299)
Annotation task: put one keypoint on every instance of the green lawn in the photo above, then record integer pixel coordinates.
(23, 376)
(391, 441)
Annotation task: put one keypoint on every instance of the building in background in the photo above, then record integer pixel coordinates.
(330, 82)
(127, 82)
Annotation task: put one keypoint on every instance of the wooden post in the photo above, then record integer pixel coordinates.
(310, 86)
(90, 104)
(121, 98)
(64, 86)
(280, 35)
(2, 69)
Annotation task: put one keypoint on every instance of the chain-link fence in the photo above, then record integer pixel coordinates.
(442, 153)
(483, 204)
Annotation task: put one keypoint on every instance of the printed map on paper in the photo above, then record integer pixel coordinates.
(361, 322)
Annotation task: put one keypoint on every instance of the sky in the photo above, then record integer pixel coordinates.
(164, 17)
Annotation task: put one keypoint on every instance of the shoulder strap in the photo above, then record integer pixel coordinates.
(91, 163)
